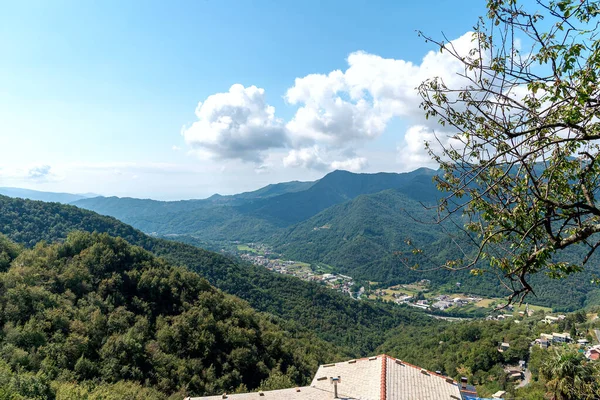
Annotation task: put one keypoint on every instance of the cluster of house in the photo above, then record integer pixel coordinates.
(340, 282)
(443, 302)
(547, 339)
(277, 265)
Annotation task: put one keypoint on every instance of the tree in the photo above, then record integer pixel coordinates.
(518, 140)
(569, 376)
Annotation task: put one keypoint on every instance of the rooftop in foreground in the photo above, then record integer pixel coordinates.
(375, 378)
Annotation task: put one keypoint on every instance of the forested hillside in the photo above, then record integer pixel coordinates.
(95, 315)
(470, 349)
(357, 223)
(357, 326)
(367, 238)
(260, 214)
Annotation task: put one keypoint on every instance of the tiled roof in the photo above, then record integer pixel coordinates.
(360, 379)
(408, 382)
(375, 378)
(302, 393)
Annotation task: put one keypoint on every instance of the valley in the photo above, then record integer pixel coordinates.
(359, 225)
(445, 301)
(330, 310)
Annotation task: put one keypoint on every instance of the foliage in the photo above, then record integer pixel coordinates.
(356, 326)
(570, 376)
(114, 318)
(464, 349)
(521, 164)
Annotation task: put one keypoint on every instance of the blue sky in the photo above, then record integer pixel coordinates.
(100, 96)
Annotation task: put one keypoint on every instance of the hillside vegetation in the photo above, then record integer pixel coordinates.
(357, 223)
(357, 326)
(95, 310)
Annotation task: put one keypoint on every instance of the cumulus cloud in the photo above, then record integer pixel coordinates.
(238, 124)
(336, 112)
(308, 157)
(357, 104)
(355, 164)
(412, 152)
(319, 159)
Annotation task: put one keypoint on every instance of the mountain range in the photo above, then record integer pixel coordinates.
(64, 198)
(359, 224)
(94, 308)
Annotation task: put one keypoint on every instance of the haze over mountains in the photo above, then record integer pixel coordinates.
(64, 198)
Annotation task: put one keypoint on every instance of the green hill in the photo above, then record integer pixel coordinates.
(358, 223)
(357, 326)
(81, 316)
(366, 239)
(260, 214)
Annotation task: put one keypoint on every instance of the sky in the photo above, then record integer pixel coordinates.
(184, 99)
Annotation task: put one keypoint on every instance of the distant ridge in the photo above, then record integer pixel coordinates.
(263, 212)
(54, 197)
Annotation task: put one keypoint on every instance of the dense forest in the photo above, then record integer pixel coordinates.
(255, 216)
(470, 349)
(357, 326)
(96, 311)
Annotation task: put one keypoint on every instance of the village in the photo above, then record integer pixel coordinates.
(259, 254)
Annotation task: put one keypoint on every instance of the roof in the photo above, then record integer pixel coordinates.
(374, 378)
(408, 382)
(302, 393)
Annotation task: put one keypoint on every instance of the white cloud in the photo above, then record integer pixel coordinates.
(175, 148)
(308, 157)
(39, 173)
(412, 153)
(357, 104)
(352, 164)
(317, 158)
(336, 112)
(33, 173)
(238, 124)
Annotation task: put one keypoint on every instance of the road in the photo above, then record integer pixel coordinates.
(526, 379)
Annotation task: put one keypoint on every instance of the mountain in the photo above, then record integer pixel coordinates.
(260, 214)
(64, 198)
(94, 310)
(366, 238)
(337, 187)
(359, 231)
(359, 224)
(355, 325)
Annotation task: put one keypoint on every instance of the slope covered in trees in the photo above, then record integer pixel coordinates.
(366, 238)
(357, 326)
(470, 349)
(257, 215)
(97, 311)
